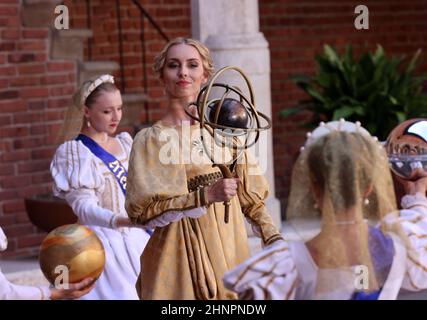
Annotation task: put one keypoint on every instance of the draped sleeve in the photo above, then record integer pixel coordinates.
(155, 186)
(413, 220)
(270, 274)
(77, 179)
(126, 141)
(252, 192)
(10, 291)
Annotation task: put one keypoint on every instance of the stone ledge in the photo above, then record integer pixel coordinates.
(91, 69)
(133, 107)
(68, 44)
(131, 98)
(73, 33)
(32, 2)
(27, 278)
(39, 13)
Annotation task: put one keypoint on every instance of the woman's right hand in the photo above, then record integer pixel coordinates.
(74, 291)
(222, 190)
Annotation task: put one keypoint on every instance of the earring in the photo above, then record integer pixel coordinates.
(366, 201)
(88, 123)
(315, 206)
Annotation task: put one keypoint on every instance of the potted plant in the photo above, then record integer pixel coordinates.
(377, 90)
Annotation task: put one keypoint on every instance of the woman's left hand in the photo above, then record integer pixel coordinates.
(417, 185)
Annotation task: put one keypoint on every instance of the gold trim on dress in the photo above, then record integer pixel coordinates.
(203, 180)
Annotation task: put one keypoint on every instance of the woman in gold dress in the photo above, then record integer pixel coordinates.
(190, 249)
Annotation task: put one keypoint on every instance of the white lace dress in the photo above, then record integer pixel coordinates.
(92, 191)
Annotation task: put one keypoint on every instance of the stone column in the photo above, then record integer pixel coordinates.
(231, 31)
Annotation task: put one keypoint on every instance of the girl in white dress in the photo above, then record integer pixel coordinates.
(342, 174)
(89, 172)
(93, 191)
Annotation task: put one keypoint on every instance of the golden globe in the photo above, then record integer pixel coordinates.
(75, 248)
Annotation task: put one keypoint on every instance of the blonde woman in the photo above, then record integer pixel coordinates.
(89, 171)
(365, 249)
(189, 252)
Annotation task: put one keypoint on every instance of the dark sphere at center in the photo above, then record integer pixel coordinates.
(232, 114)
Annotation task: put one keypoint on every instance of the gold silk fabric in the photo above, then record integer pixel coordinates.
(188, 258)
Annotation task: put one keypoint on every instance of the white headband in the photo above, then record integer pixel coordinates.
(96, 83)
(326, 128)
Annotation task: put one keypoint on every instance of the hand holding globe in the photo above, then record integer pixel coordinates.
(70, 254)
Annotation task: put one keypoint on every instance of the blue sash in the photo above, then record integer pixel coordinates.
(114, 165)
(360, 295)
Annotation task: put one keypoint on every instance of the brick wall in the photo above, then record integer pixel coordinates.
(34, 89)
(33, 92)
(173, 17)
(296, 30)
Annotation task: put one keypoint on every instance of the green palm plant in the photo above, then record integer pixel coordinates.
(376, 90)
